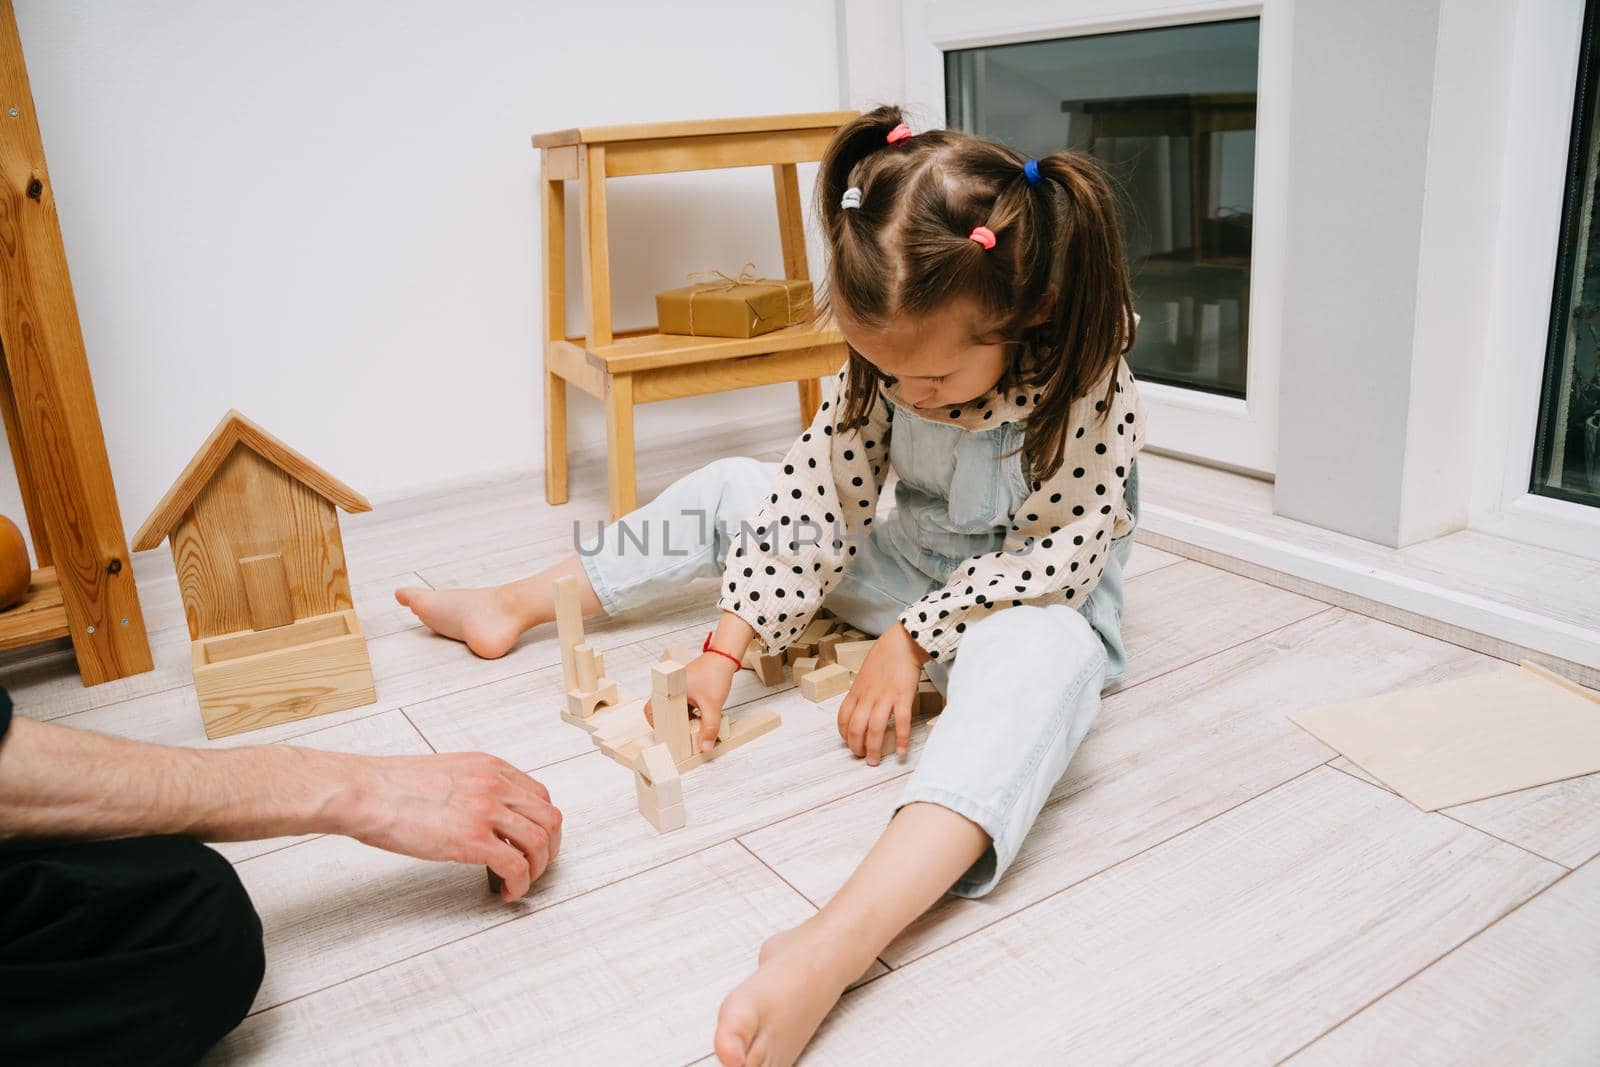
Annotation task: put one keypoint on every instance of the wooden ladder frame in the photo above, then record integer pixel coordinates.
(83, 587)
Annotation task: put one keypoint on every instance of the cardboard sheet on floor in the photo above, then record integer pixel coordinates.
(1449, 743)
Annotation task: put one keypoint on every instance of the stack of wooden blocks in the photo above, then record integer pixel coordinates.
(659, 749)
(824, 660)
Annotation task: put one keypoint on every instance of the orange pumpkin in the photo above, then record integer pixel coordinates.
(15, 572)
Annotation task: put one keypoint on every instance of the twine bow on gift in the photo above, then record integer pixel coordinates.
(706, 280)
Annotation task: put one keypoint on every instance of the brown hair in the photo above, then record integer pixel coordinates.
(906, 250)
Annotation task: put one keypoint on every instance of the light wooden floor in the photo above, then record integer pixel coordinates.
(1209, 883)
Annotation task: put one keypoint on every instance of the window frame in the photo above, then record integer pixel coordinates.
(1535, 190)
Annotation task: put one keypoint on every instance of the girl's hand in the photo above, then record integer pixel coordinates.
(885, 686)
(708, 679)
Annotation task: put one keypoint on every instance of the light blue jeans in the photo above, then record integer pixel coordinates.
(1021, 691)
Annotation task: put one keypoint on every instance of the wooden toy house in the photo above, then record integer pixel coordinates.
(254, 530)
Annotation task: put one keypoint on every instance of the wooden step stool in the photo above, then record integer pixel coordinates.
(638, 366)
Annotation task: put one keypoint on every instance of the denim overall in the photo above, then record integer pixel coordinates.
(1024, 685)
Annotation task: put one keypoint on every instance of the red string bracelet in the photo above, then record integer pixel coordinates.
(706, 647)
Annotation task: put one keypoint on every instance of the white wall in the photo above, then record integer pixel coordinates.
(322, 213)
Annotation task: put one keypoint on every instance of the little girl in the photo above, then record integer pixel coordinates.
(986, 306)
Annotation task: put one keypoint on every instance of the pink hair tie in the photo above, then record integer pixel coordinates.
(900, 133)
(984, 236)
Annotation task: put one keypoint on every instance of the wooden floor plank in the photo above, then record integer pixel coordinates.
(1144, 559)
(1183, 612)
(1524, 991)
(630, 974)
(1559, 821)
(1237, 942)
(1163, 757)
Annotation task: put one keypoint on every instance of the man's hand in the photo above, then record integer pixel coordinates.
(884, 687)
(63, 784)
(465, 807)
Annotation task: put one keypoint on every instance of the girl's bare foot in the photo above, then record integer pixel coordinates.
(770, 1018)
(479, 617)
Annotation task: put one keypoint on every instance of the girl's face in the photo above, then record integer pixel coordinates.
(935, 360)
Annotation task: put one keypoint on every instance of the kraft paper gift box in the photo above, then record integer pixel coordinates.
(745, 306)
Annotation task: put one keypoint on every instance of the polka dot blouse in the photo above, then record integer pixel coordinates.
(822, 505)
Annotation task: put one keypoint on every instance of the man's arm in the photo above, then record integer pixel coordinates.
(59, 783)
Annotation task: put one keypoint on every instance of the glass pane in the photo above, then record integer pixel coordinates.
(1566, 456)
(1172, 113)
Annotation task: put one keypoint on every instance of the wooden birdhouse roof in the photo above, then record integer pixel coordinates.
(234, 430)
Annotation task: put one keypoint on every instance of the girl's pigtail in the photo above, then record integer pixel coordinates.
(856, 255)
(854, 141)
(1093, 314)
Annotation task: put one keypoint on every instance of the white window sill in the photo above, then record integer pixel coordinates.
(1504, 598)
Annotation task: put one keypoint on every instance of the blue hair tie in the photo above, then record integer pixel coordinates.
(1031, 169)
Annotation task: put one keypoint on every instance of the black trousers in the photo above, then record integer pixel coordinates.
(142, 951)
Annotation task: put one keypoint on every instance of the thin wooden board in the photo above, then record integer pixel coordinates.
(630, 974)
(745, 728)
(1464, 740)
(1559, 821)
(693, 128)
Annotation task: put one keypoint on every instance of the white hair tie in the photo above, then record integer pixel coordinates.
(850, 199)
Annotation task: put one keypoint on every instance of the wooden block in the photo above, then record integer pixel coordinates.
(671, 711)
(266, 590)
(253, 679)
(584, 660)
(656, 764)
(851, 654)
(582, 703)
(827, 650)
(496, 883)
(569, 627)
(816, 630)
(929, 700)
(745, 729)
(825, 682)
(725, 729)
(663, 818)
(769, 668)
(799, 650)
(620, 716)
(669, 678)
(656, 773)
(804, 666)
(679, 654)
